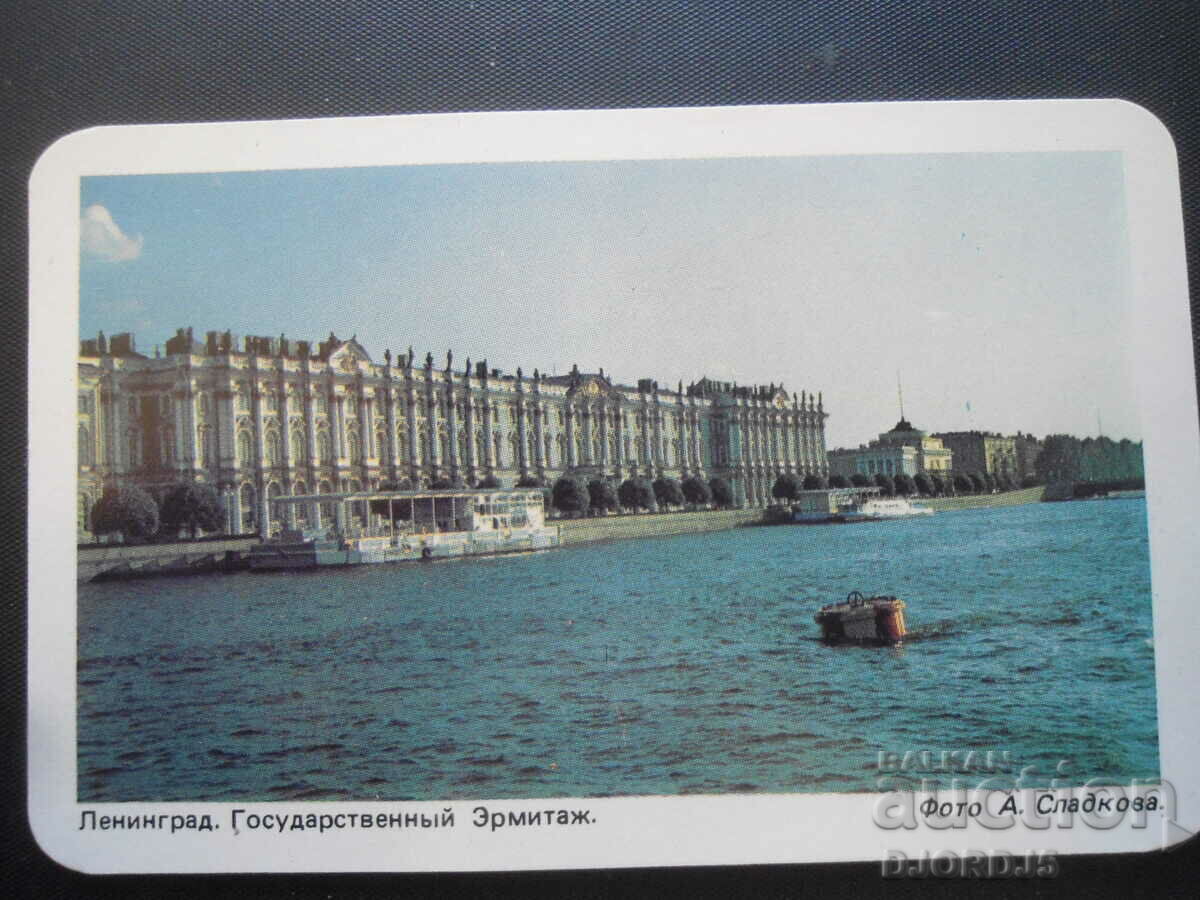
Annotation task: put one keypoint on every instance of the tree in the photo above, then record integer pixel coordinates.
(441, 484)
(814, 483)
(601, 496)
(636, 493)
(696, 491)
(858, 479)
(1059, 459)
(194, 506)
(627, 494)
(529, 481)
(977, 482)
(570, 495)
(989, 482)
(923, 485)
(722, 493)
(839, 481)
(667, 492)
(885, 483)
(963, 484)
(904, 485)
(489, 483)
(128, 510)
(937, 485)
(389, 485)
(786, 487)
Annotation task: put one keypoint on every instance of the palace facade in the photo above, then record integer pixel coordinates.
(265, 417)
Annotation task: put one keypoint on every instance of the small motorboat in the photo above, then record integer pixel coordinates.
(863, 620)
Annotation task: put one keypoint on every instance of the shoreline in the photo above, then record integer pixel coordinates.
(91, 561)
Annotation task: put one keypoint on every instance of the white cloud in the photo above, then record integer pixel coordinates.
(102, 238)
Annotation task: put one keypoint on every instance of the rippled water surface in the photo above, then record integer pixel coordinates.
(666, 666)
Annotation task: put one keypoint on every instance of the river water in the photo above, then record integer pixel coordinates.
(673, 665)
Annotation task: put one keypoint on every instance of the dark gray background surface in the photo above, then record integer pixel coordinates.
(66, 66)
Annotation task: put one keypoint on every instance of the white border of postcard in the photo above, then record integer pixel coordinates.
(650, 831)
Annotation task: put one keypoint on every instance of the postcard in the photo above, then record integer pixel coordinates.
(667, 487)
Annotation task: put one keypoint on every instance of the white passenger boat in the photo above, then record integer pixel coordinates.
(856, 504)
(398, 526)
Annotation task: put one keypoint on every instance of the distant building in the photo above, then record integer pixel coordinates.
(904, 449)
(267, 417)
(1027, 449)
(982, 452)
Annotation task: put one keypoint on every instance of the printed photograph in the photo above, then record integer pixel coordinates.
(614, 478)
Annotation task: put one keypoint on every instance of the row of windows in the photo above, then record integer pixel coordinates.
(873, 467)
(271, 403)
(672, 452)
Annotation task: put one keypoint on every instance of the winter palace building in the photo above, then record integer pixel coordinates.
(264, 417)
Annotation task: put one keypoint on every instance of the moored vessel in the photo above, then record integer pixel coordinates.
(856, 504)
(399, 526)
(863, 620)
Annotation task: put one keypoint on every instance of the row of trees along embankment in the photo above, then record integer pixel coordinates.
(189, 509)
(574, 496)
(788, 487)
(1075, 468)
(186, 510)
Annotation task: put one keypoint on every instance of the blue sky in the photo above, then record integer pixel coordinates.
(998, 280)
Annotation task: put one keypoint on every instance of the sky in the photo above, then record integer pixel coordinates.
(995, 287)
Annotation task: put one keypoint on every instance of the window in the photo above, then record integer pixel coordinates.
(352, 444)
(273, 450)
(247, 498)
(298, 448)
(243, 400)
(133, 441)
(299, 489)
(245, 447)
(206, 447)
(324, 448)
(85, 447)
(168, 447)
(322, 404)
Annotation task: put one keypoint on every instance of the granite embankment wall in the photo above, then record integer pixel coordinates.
(96, 559)
(612, 528)
(93, 560)
(980, 501)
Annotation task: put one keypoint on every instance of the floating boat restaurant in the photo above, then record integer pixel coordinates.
(394, 526)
